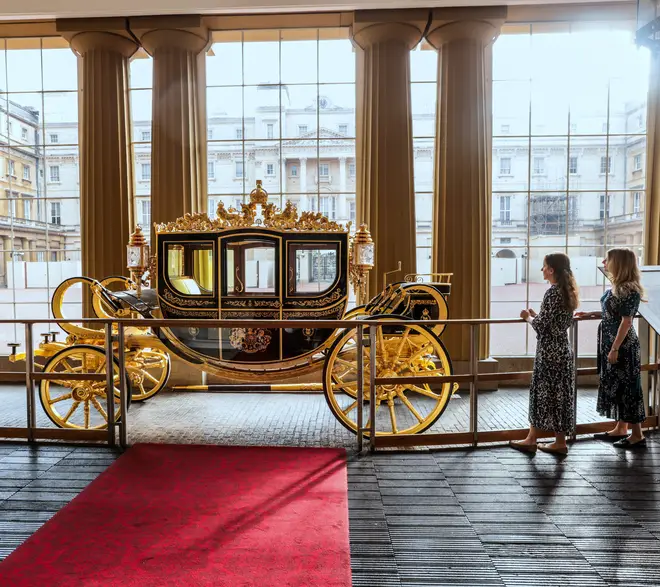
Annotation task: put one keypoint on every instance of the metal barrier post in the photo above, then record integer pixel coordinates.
(29, 385)
(110, 383)
(372, 388)
(474, 383)
(123, 398)
(576, 349)
(360, 389)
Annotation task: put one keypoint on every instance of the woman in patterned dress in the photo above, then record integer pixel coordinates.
(552, 386)
(620, 394)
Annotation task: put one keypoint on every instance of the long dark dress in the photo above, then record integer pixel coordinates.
(551, 389)
(620, 394)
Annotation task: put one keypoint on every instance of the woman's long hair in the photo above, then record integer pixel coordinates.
(561, 265)
(624, 272)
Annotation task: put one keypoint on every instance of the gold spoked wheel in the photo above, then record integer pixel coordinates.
(148, 371)
(401, 351)
(80, 404)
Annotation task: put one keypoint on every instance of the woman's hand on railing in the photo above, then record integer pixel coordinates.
(586, 315)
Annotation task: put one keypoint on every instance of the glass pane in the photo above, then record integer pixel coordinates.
(253, 266)
(423, 64)
(141, 71)
(190, 268)
(423, 96)
(60, 69)
(315, 267)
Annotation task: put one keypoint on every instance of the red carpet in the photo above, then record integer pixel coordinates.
(198, 516)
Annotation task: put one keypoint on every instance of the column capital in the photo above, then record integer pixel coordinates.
(188, 33)
(372, 27)
(460, 24)
(87, 34)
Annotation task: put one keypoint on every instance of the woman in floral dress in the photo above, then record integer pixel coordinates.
(620, 394)
(552, 386)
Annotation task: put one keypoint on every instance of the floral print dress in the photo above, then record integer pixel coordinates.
(620, 394)
(552, 386)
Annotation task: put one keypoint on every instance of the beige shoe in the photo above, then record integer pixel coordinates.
(563, 450)
(529, 448)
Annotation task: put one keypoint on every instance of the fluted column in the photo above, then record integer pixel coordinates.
(178, 148)
(105, 165)
(462, 210)
(385, 189)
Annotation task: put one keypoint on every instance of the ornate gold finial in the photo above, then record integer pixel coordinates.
(259, 195)
(137, 238)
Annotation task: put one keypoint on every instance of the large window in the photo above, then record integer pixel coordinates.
(281, 108)
(39, 183)
(573, 103)
(141, 83)
(423, 76)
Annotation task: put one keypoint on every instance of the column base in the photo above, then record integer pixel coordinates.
(489, 365)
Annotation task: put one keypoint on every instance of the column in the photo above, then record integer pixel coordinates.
(303, 177)
(105, 164)
(178, 138)
(462, 210)
(385, 190)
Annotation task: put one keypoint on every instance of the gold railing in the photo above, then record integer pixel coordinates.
(115, 334)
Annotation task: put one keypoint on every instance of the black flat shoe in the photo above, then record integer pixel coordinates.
(625, 443)
(609, 437)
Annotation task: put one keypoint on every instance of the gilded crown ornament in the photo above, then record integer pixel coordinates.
(268, 215)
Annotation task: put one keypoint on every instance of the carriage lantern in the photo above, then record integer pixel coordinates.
(137, 257)
(362, 261)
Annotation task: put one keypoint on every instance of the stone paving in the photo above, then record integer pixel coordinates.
(267, 419)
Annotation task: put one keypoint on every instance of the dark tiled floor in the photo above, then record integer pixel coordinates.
(468, 518)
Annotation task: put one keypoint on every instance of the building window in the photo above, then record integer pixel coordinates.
(270, 169)
(54, 171)
(637, 162)
(329, 207)
(343, 129)
(55, 213)
(606, 165)
(294, 171)
(637, 199)
(24, 133)
(270, 130)
(12, 168)
(505, 165)
(572, 165)
(505, 209)
(539, 165)
(302, 129)
(144, 213)
(238, 168)
(54, 138)
(211, 170)
(26, 172)
(505, 129)
(145, 171)
(324, 170)
(146, 135)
